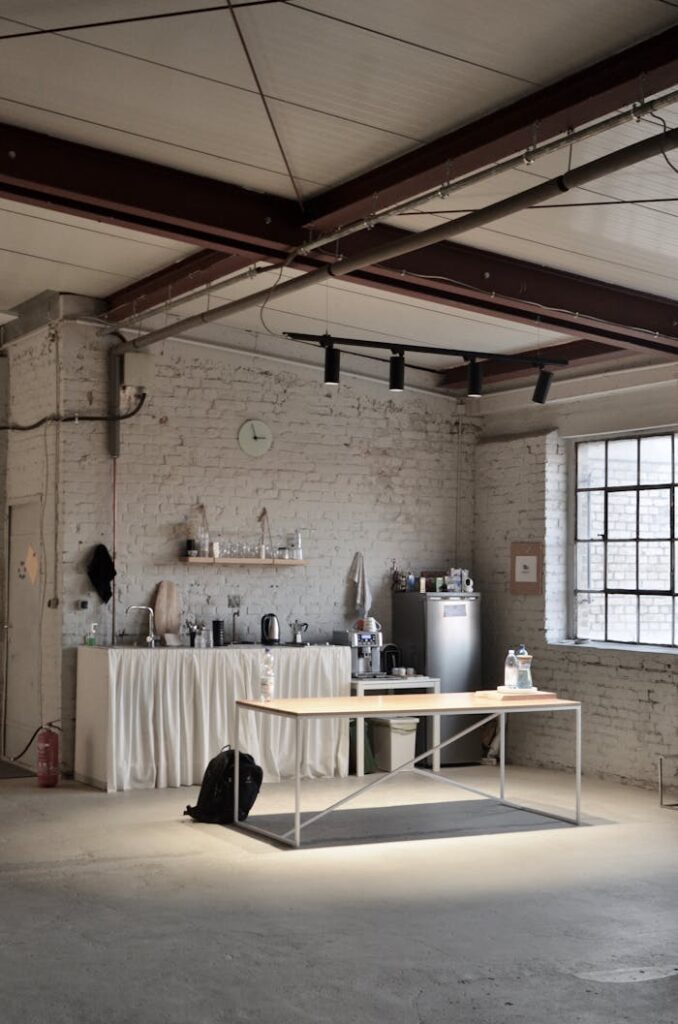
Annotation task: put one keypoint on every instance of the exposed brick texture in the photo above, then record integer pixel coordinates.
(354, 469)
(630, 710)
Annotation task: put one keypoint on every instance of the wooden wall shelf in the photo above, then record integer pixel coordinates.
(252, 562)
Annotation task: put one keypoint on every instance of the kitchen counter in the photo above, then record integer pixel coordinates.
(153, 718)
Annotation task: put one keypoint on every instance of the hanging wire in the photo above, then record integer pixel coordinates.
(264, 101)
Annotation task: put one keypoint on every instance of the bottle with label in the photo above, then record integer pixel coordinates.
(511, 670)
(267, 676)
(524, 660)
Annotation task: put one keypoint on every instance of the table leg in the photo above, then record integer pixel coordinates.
(360, 738)
(502, 755)
(236, 778)
(436, 743)
(297, 783)
(578, 765)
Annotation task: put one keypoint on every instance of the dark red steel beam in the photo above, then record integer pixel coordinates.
(516, 290)
(42, 170)
(197, 270)
(627, 77)
(45, 171)
(577, 353)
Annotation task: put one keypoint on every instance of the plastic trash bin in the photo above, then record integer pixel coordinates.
(393, 741)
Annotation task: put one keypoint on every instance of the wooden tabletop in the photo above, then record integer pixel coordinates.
(399, 704)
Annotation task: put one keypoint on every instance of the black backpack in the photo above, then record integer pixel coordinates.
(215, 801)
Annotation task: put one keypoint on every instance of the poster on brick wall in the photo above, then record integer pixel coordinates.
(527, 563)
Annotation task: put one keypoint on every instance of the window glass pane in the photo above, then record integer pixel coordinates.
(656, 460)
(590, 566)
(621, 565)
(622, 463)
(675, 570)
(590, 616)
(591, 464)
(621, 514)
(675, 621)
(654, 513)
(622, 618)
(654, 565)
(656, 614)
(590, 515)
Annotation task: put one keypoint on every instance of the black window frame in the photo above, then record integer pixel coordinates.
(672, 539)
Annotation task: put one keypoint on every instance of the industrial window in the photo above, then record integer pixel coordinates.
(626, 540)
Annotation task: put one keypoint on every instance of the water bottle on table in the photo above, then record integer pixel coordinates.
(267, 676)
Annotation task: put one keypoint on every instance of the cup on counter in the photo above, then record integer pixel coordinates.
(410, 672)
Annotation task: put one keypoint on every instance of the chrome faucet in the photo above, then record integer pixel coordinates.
(151, 638)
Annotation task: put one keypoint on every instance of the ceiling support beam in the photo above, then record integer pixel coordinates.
(45, 171)
(625, 78)
(519, 291)
(574, 178)
(197, 270)
(455, 276)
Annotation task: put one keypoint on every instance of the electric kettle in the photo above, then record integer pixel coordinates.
(270, 629)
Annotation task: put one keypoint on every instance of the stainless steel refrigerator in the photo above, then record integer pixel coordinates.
(439, 635)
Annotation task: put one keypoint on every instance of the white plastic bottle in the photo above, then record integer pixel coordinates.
(267, 676)
(511, 670)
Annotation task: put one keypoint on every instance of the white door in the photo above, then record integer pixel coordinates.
(24, 593)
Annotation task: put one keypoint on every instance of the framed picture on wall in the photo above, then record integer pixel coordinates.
(527, 568)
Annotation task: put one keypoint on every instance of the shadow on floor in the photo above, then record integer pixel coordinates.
(14, 771)
(410, 821)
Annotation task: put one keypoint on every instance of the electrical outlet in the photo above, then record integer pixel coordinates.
(234, 600)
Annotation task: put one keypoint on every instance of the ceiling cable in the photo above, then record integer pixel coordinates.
(189, 12)
(262, 96)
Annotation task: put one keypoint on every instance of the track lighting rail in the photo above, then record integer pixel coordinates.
(328, 341)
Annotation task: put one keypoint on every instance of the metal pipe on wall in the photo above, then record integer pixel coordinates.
(574, 178)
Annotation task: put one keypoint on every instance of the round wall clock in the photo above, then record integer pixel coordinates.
(255, 437)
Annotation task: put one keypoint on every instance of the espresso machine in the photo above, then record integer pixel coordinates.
(365, 650)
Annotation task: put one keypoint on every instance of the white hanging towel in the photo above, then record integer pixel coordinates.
(357, 574)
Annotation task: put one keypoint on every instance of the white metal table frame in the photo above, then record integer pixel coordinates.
(293, 836)
(362, 685)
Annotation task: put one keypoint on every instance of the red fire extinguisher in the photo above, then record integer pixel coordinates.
(48, 757)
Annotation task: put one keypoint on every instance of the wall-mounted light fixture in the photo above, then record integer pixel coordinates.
(475, 379)
(542, 386)
(332, 365)
(396, 377)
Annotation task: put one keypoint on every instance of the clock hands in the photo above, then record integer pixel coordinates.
(255, 436)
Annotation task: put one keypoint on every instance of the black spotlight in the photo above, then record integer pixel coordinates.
(332, 361)
(475, 379)
(542, 386)
(396, 380)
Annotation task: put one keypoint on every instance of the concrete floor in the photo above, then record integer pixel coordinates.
(115, 909)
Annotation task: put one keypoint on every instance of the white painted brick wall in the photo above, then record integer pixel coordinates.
(353, 469)
(31, 463)
(630, 710)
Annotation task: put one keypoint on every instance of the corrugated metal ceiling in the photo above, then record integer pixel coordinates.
(349, 85)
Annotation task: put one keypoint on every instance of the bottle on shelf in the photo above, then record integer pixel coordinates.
(294, 545)
(511, 670)
(267, 676)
